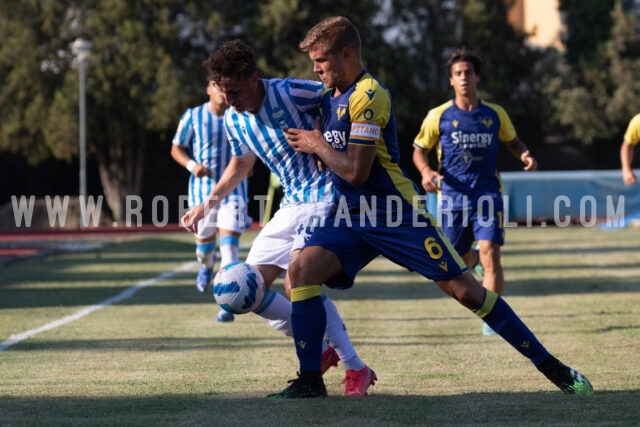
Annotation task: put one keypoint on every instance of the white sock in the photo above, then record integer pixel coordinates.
(208, 259)
(275, 309)
(338, 338)
(228, 250)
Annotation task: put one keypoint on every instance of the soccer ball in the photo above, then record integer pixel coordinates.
(238, 288)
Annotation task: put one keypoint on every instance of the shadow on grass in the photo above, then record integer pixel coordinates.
(545, 251)
(88, 278)
(85, 289)
(182, 291)
(422, 332)
(169, 344)
(238, 343)
(137, 260)
(219, 408)
(413, 286)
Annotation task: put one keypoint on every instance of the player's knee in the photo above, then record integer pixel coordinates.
(490, 253)
(296, 274)
(269, 274)
(471, 297)
(465, 289)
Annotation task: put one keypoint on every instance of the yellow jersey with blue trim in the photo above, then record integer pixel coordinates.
(363, 115)
(467, 144)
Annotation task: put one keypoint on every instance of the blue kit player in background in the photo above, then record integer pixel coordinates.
(466, 133)
(201, 146)
(379, 212)
(260, 111)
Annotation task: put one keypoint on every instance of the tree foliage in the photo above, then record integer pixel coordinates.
(596, 100)
(424, 33)
(146, 68)
(514, 72)
(588, 24)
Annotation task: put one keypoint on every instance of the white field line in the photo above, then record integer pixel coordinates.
(127, 293)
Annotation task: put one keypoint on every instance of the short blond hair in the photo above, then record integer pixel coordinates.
(332, 34)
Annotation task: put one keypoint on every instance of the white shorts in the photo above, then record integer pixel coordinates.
(287, 231)
(231, 215)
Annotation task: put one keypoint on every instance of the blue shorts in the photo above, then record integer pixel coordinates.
(409, 239)
(485, 224)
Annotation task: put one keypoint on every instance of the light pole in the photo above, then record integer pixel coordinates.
(81, 49)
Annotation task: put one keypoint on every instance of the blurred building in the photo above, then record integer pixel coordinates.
(542, 20)
(539, 18)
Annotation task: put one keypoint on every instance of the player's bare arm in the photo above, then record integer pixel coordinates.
(520, 151)
(353, 166)
(429, 176)
(234, 173)
(626, 159)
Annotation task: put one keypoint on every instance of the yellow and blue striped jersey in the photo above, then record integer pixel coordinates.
(467, 144)
(364, 115)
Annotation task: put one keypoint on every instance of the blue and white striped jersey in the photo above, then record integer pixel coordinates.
(203, 134)
(288, 103)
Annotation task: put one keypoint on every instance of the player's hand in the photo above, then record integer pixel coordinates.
(629, 177)
(201, 170)
(305, 141)
(530, 164)
(430, 179)
(191, 218)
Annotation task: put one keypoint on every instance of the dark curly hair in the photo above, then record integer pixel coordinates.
(234, 59)
(463, 55)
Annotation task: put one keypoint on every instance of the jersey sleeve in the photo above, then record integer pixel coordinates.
(429, 135)
(632, 135)
(238, 149)
(370, 111)
(184, 134)
(305, 94)
(507, 132)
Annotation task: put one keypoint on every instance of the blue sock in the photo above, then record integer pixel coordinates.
(508, 325)
(206, 247)
(308, 322)
(229, 240)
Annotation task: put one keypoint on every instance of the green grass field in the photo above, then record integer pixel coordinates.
(158, 357)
